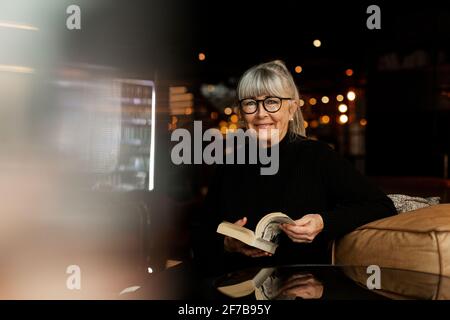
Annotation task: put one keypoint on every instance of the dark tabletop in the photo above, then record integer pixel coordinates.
(290, 282)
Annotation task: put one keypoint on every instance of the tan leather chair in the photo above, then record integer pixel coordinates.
(417, 241)
(404, 285)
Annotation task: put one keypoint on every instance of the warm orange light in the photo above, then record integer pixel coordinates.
(224, 130)
(312, 101)
(342, 108)
(351, 95)
(325, 119)
(201, 56)
(325, 99)
(343, 118)
(349, 72)
(301, 102)
(214, 115)
(363, 122)
(317, 43)
(228, 111)
(232, 127)
(340, 97)
(314, 124)
(234, 118)
(188, 111)
(305, 124)
(298, 69)
(223, 123)
(174, 119)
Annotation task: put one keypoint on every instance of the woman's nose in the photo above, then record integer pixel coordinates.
(261, 112)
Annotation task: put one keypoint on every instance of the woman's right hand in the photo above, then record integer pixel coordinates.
(304, 286)
(234, 245)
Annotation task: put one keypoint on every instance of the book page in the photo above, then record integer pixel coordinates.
(269, 289)
(237, 290)
(268, 227)
(246, 287)
(241, 233)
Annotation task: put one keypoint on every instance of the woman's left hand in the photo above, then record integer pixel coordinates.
(305, 230)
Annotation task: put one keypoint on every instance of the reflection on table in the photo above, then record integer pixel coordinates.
(329, 282)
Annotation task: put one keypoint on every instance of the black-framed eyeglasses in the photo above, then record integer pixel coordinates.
(270, 104)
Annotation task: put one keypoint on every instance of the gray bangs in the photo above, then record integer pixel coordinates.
(261, 82)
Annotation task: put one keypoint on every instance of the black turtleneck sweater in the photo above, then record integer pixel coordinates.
(312, 178)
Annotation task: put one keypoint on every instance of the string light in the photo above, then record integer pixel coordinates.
(342, 108)
(325, 119)
(343, 118)
(351, 95)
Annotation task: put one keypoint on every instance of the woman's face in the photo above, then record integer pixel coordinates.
(264, 122)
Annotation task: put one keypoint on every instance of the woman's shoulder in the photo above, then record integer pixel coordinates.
(314, 145)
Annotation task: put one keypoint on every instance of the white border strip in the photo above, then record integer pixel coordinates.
(151, 169)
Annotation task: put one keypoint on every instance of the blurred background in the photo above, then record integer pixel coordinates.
(86, 117)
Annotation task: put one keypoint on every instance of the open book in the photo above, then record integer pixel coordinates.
(240, 287)
(264, 237)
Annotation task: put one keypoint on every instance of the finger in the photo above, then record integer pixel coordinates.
(303, 276)
(301, 236)
(241, 222)
(299, 292)
(250, 251)
(259, 255)
(297, 229)
(300, 240)
(253, 252)
(298, 283)
(303, 220)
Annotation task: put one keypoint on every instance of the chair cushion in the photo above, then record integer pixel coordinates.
(418, 240)
(400, 284)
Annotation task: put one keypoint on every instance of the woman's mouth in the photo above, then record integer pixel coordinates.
(264, 126)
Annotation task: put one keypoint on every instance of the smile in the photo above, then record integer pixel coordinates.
(263, 125)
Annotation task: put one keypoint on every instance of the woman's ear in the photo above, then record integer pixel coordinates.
(295, 105)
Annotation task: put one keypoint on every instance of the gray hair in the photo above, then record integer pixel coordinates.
(272, 78)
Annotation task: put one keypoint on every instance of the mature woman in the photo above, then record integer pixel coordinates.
(325, 195)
